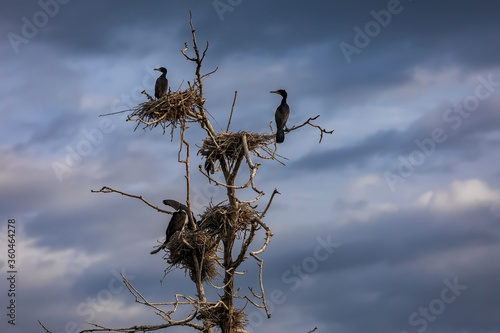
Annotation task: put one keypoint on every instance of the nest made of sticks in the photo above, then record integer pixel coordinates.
(183, 245)
(175, 108)
(230, 145)
(214, 315)
(218, 219)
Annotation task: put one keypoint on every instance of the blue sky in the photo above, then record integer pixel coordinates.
(391, 224)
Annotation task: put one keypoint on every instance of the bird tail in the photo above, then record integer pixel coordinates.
(280, 136)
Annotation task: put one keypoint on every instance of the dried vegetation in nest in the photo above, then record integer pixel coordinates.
(230, 145)
(217, 219)
(214, 315)
(175, 108)
(182, 247)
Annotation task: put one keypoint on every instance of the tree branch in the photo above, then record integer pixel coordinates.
(244, 247)
(269, 203)
(253, 167)
(254, 254)
(308, 122)
(147, 328)
(236, 187)
(188, 177)
(106, 189)
(45, 328)
(142, 300)
(232, 108)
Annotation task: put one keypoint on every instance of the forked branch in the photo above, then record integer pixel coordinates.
(260, 261)
(308, 122)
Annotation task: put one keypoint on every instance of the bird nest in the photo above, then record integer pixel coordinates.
(218, 219)
(215, 315)
(186, 247)
(175, 108)
(230, 145)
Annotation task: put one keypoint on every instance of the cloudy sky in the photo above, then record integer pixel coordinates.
(391, 224)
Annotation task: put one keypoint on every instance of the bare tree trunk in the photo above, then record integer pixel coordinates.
(227, 299)
(229, 237)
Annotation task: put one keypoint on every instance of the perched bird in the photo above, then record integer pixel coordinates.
(161, 86)
(176, 223)
(178, 206)
(281, 116)
(209, 167)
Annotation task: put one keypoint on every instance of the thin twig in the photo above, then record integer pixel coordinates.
(147, 95)
(236, 187)
(254, 254)
(144, 301)
(252, 302)
(188, 177)
(253, 167)
(112, 113)
(46, 330)
(308, 122)
(148, 328)
(209, 73)
(269, 203)
(232, 108)
(224, 286)
(106, 189)
(244, 247)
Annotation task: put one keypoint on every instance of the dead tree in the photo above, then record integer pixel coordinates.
(206, 252)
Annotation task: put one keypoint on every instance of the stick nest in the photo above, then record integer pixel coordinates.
(175, 108)
(218, 219)
(230, 145)
(214, 315)
(183, 245)
(203, 243)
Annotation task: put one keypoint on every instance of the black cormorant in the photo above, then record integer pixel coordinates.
(161, 85)
(176, 223)
(178, 206)
(281, 116)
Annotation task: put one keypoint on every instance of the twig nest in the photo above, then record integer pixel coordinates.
(186, 247)
(218, 219)
(175, 108)
(230, 145)
(214, 315)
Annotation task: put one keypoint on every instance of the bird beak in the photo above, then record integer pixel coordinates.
(157, 69)
(274, 92)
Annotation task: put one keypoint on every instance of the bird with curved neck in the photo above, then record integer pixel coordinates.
(176, 223)
(161, 86)
(281, 116)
